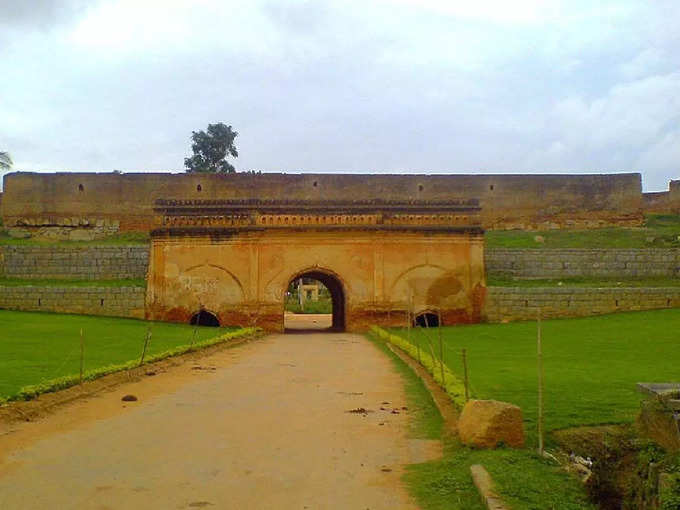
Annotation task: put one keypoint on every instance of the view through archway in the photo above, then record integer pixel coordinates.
(314, 301)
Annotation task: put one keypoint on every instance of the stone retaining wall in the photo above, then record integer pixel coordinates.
(111, 301)
(569, 263)
(521, 303)
(74, 262)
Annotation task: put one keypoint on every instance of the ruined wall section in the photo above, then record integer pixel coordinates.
(126, 201)
(75, 263)
(663, 202)
(520, 303)
(108, 301)
(570, 263)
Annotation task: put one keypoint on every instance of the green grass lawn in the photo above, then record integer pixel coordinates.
(526, 481)
(658, 231)
(591, 364)
(36, 347)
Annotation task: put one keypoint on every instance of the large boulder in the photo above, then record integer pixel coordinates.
(488, 423)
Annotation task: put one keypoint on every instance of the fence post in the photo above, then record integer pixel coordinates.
(441, 346)
(146, 343)
(539, 349)
(82, 354)
(466, 380)
(193, 338)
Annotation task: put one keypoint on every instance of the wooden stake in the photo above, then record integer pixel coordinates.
(466, 380)
(441, 346)
(82, 354)
(539, 349)
(193, 338)
(146, 344)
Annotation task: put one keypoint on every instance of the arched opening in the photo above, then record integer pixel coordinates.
(426, 320)
(314, 301)
(205, 318)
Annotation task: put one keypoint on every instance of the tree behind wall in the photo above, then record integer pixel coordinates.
(211, 150)
(5, 161)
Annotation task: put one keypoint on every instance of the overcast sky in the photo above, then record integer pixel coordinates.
(418, 86)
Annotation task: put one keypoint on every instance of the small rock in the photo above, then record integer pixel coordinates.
(360, 410)
(129, 398)
(539, 239)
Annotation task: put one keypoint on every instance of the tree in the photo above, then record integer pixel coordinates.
(5, 161)
(211, 150)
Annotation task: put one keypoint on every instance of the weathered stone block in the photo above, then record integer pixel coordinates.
(488, 423)
(19, 233)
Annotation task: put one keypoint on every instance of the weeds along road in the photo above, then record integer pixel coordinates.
(263, 425)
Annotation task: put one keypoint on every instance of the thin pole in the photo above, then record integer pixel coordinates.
(539, 349)
(193, 338)
(441, 345)
(146, 343)
(466, 380)
(82, 354)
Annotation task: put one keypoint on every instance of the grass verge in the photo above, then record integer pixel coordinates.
(526, 481)
(60, 383)
(591, 364)
(41, 351)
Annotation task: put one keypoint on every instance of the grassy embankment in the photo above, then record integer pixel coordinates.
(125, 238)
(43, 349)
(525, 480)
(658, 231)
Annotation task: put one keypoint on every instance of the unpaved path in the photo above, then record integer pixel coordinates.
(261, 426)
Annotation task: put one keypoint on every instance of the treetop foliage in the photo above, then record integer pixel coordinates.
(211, 150)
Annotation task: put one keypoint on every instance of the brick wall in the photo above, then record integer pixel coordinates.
(83, 263)
(606, 263)
(111, 301)
(520, 303)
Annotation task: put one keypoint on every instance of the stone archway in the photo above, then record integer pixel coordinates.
(337, 291)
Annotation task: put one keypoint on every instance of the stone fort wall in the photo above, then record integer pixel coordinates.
(126, 201)
(663, 202)
(520, 303)
(74, 262)
(109, 301)
(570, 263)
(131, 261)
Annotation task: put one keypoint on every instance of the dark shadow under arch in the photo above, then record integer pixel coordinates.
(205, 318)
(426, 320)
(337, 292)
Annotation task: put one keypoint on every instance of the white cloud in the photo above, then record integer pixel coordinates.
(354, 85)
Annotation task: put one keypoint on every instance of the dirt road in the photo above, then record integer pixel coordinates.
(264, 425)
